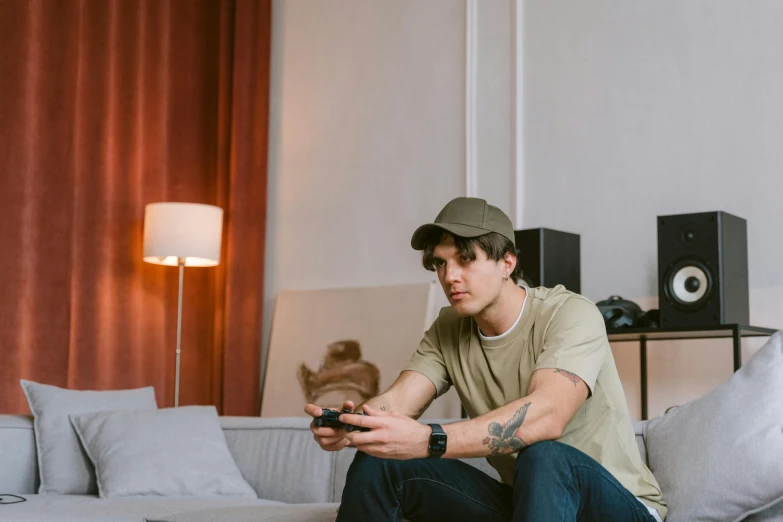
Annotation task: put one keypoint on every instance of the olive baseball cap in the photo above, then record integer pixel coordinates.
(467, 217)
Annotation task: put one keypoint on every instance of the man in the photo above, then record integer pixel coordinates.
(535, 374)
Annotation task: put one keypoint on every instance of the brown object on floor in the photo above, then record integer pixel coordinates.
(342, 376)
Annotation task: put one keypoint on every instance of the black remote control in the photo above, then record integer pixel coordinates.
(329, 419)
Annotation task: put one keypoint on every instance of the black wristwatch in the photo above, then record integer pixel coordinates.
(437, 444)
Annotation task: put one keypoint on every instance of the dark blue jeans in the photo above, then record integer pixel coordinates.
(554, 482)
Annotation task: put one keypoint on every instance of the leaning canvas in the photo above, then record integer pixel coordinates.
(350, 343)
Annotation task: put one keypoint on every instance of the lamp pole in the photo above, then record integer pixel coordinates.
(181, 263)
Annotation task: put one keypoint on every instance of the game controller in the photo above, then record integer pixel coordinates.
(330, 419)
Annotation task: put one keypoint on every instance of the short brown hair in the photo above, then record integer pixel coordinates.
(493, 244)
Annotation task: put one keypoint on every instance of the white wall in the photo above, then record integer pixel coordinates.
(631, 110)
(494, 103)
(368, 135)
(637, 109)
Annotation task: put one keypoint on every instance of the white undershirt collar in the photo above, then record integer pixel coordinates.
(501, 336)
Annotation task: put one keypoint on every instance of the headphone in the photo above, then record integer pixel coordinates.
(621, 313)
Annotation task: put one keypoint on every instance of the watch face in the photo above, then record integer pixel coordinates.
(437, 443)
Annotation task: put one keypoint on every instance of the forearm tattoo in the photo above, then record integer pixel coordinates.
(570, 376)
(505, 438)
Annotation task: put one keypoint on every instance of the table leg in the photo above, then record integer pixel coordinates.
(737, 348)
(643, 366)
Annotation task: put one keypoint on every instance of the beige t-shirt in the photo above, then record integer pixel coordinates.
(556, 329)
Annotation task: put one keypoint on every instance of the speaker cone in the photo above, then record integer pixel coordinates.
(688, 284)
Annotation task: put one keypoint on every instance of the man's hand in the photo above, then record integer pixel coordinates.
(392, 435)
(330, 439)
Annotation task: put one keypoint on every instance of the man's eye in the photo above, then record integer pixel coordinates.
(439, 263)
(465, 259)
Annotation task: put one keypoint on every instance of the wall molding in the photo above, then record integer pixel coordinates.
(471, 66)
(518, 124)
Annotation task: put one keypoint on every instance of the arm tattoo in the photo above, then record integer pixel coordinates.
(570, 376)
(504, 438)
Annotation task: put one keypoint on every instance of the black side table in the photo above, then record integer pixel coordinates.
(642, 335)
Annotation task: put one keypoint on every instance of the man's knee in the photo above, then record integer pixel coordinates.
(363, 466)
(547, 455)
(368, 468)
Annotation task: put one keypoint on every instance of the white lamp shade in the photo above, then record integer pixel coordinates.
(190, 231)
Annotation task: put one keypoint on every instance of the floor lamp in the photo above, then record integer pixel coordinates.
(182, 234)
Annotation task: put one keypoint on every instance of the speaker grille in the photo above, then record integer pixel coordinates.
(688, 284)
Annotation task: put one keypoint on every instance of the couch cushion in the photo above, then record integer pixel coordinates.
(718, 458)
(771, 514)
(277, 513)
(639, 428)
(168, 452)
(19, 469)
(280, 459)
(63, 465)
(90, 508)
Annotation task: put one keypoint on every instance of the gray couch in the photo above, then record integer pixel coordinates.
(294, 479)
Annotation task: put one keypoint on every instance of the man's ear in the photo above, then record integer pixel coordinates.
(510, 259)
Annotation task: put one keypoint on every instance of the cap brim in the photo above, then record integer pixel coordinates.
(417, 241)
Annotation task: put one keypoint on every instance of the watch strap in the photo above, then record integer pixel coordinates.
(437, 442)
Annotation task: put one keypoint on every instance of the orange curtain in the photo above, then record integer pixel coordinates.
(105, 106)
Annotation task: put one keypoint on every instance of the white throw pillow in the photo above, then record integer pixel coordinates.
(718, 458)
(169, 452)
(64, 467)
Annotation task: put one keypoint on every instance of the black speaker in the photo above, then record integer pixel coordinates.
(548, 258)
(702, 270)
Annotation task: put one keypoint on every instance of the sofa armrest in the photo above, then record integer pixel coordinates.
(18, 457)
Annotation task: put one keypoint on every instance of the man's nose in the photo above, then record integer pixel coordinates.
(453, 272)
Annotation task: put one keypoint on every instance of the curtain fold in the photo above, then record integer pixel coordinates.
(105, 106)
